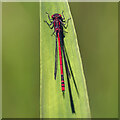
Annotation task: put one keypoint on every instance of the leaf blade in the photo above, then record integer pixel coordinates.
(52, 103)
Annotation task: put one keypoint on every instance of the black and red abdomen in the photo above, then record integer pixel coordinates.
(62, 83)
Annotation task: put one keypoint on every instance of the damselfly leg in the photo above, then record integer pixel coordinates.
(49, 16)
(66, 23)
(49, 24)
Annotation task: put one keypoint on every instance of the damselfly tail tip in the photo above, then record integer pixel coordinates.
(54, 76)
(63, 94)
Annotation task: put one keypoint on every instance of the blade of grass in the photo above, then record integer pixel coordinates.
(52, 103)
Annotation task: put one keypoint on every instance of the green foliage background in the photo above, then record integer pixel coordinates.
(97, 30)
(20, 60)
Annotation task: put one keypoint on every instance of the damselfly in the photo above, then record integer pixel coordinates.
(58, 22)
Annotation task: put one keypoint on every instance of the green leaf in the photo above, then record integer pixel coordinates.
(52, 102)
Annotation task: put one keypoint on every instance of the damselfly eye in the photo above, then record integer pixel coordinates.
(59, 15)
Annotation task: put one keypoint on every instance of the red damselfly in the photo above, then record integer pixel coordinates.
(57, 23)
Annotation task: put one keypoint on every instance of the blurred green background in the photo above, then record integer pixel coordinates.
(20, 60)
(97, 30)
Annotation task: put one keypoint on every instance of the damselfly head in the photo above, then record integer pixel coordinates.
(56, 15)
